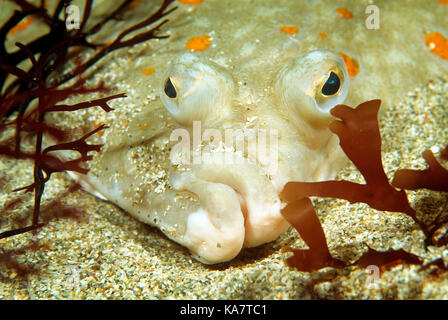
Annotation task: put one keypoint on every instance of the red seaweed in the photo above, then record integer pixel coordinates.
(387, 258)
(301, 215)
(444, 153)
(434, 178)
(360, 139)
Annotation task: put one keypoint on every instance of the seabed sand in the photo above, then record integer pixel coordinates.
(110, 255)
(115, 257)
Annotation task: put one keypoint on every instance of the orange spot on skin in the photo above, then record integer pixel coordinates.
(443, 1)
(125, 125)
(25, 23)
(148, 71)
(345, 13)
(289, 29)
(195, 2)
(323, 35)
(351, 64)
(76, 48)
(101, 132)
(134, 3)
(438, 44)
(144, 126)
(198, 43)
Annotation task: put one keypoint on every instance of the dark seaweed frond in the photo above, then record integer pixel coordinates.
(42, 83)
(52, 49)
(45, 163)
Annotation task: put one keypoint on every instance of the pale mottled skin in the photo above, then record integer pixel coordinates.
(253, 75)
(236, 203)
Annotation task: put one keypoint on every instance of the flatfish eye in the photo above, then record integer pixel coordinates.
(170, 90)
(332, 85)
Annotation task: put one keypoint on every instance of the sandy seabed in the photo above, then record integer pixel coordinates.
(110, 255)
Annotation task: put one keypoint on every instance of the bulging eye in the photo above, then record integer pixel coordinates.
(196, 90)
(332, 85)
(311, 85)
(170, 90)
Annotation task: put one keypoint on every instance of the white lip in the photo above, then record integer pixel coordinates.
(225, 192)
(214, 232)
(258, 192)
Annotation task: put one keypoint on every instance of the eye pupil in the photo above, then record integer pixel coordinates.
(170, 91)
(332, 85)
